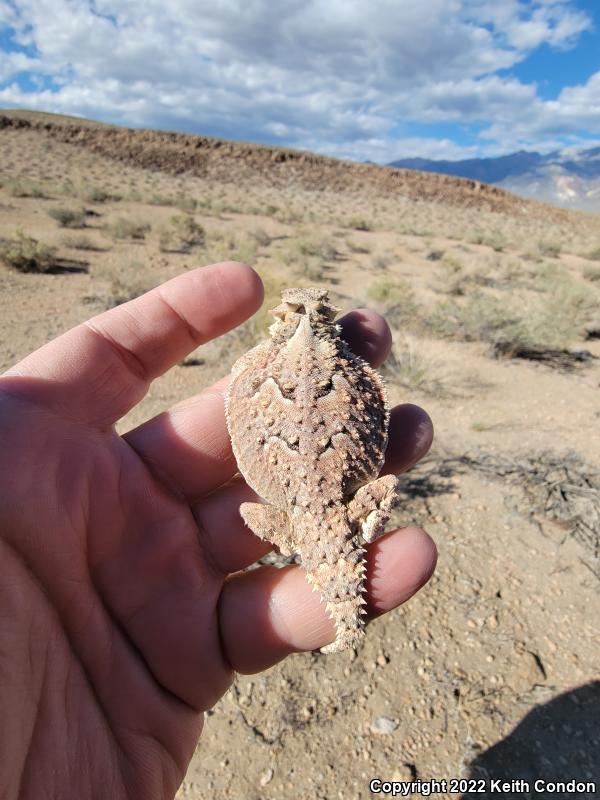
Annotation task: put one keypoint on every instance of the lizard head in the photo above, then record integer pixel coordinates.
(313, 303)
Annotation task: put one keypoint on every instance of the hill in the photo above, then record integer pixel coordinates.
(215, 159)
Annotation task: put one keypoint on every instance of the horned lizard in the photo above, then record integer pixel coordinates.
(308, 422)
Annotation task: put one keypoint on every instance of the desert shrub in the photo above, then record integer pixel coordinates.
(310, 268)
(359, 224)
(322, 247)
(126, 284)
(227, 246)
(560, 318)
(532, 255)
(511, 273)
(382, 260)
(384, 290)
(549, 249)
(182, 235)
(67, 187)
(180, 201)
(288, 216)
(358, 247)
(395, 299)
(452, 279)
(26, 189)
(81, 242)
(481, 427)
(435, 255)
(416, 228)
(68, 217)
(96, 194)
(245, 251)
(263, 211)
(549, 275)
(407, 366)
(452, 262)
(160, 200)
(230, 208)
(26, 254)
(592, 274)
(185, 203)
(481, 317)
(554, 321)
(260, 236)
(124, 228)
(306, 257)
(593, 255)
(494, 239)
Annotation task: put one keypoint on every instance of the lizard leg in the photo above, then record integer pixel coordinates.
(271, 524)
(371, 506)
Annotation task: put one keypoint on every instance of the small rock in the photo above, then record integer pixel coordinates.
(382, 660)
(406, 772)
(383, 726)
(266, 777)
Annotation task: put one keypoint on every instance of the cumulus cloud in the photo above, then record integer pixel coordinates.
(553, 22)
(575, 113)
(345, 77)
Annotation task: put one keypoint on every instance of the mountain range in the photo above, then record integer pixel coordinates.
(566, 178)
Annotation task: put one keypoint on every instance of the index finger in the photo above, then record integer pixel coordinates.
(100, 369)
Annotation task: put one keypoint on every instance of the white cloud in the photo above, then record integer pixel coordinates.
(525, 26)
(345, 77)
(12, 63)
(575, 111)
(578, 106)
(383, 150)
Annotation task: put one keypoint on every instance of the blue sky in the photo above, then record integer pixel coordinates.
(360, 79)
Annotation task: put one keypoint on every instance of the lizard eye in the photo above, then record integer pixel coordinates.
(285, 308)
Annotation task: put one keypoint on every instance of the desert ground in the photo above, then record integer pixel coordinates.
(491, 671)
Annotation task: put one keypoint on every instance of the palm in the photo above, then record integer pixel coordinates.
(119, 624)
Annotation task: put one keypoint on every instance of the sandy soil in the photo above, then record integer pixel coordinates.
(492, 670)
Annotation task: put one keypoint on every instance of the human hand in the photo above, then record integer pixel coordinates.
(123, 611)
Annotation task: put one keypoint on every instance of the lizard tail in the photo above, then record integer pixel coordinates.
(341, 586)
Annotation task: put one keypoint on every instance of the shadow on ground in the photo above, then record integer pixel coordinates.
(556, 741)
